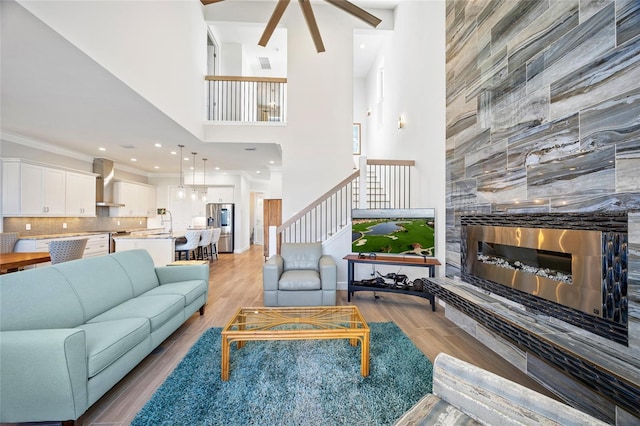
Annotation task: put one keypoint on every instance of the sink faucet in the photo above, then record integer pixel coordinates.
(163, 221)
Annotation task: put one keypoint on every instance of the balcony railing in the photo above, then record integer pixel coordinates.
(246, 99)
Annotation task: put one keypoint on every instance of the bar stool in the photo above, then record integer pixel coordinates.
(204, 248)
(214, 241)
(193, 239)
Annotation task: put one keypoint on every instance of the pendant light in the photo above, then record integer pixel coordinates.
(204, 180)
(194, 192)
(181, 185)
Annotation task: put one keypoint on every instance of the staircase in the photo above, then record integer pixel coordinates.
(386, 184)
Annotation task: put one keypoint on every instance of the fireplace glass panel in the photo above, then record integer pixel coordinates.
(545, 263)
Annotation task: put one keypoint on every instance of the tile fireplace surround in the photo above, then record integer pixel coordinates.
(598, 357)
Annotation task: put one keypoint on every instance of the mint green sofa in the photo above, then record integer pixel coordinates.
(69, 332)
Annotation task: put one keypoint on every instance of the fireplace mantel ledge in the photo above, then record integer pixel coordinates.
(603, 355)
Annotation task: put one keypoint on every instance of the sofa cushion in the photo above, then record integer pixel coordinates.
(99, 282)
(158, 309)
(139, 267)
(301, 255)
(190, 290)
(38, 299)
(299, 280)
(432, 410)
(107, 341)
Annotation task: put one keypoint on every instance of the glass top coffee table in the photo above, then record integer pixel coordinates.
(296, 323)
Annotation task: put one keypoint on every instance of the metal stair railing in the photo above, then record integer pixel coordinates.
(385, 183)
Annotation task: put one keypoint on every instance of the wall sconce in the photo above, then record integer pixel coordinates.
(401, 122)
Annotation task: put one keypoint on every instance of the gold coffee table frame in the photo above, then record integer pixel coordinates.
(320, 322)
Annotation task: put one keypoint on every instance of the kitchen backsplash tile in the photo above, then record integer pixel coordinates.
(54, 225)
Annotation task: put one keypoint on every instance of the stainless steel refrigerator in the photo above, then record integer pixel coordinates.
(220, 215)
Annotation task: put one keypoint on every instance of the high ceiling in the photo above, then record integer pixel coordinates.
(65, 108)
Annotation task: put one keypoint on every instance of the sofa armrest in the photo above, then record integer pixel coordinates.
(43, 375)
(172, 274)
(328, 272)
(271, 272)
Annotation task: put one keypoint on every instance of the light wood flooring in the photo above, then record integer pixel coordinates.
(236, 280)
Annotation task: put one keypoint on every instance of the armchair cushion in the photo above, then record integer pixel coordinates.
(299, 280)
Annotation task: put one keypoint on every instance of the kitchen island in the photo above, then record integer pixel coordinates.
(161, 247)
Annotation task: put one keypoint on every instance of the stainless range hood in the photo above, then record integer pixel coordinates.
(104, 182)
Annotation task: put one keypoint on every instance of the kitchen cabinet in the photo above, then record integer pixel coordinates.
(33, 189)
(139, 199)
(80, 195)
(220, 194)
(97, 244)
(30, 189)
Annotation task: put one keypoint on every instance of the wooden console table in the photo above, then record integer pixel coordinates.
(413, 261)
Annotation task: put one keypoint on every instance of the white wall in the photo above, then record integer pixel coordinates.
(316, 142)
(415, 86)
(166, 59)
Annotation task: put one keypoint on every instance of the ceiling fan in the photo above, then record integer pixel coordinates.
(307, 11)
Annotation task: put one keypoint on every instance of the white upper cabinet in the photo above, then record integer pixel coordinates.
(220, 194)
(139, 199)
(32, 189)
(80, 195)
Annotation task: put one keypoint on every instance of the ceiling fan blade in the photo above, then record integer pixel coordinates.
(354, 10)
(307, 11)
(273, 22)
(206, 2)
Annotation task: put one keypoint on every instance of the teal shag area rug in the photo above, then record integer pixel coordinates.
(306, 382)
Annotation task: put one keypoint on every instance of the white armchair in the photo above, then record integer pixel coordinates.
(300, 276)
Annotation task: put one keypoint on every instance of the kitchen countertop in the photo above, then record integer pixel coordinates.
(81, 233)
(69, 234)
(162, 236)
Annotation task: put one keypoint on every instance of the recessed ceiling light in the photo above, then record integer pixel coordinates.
(156, 167)
(258, 171)
(173, 153)
(362, 46)
(102, 149)
(191, 168)
(134, 159)
(217, 168)
(157, 145)
(186, 158)
(272, 162)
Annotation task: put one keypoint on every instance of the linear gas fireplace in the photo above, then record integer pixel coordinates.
(560, 265)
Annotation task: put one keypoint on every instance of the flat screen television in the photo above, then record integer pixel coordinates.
(393, 231)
